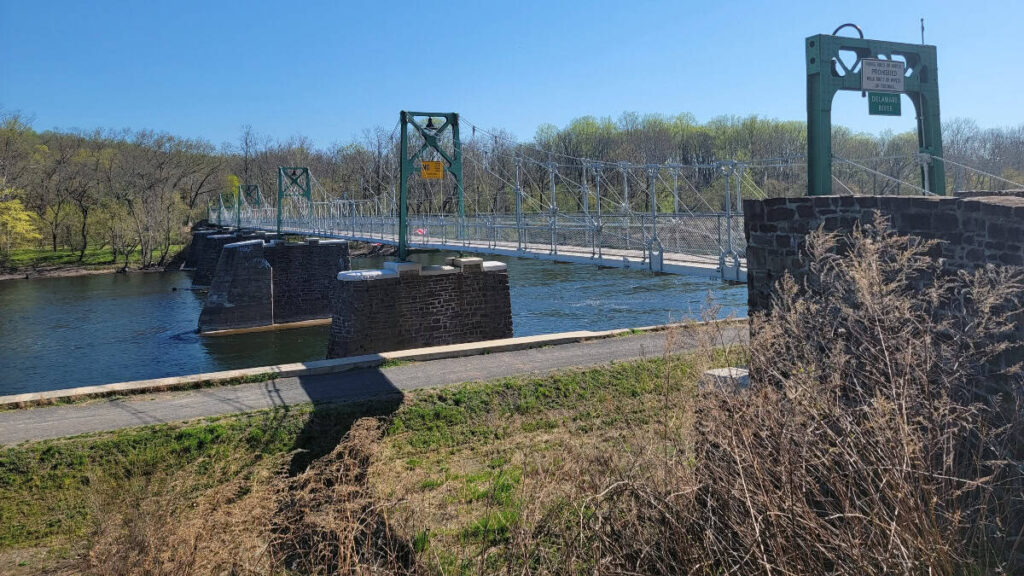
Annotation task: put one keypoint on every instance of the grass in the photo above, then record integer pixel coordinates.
(394, 363)
(29, 258)
(462, 465)
(48, 487)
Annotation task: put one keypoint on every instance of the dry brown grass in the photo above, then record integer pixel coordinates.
(322, 521)
(878, 442)
(170, 526)
(328, 522)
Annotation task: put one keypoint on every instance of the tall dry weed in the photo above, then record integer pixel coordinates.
(323, 521)
(328, 520)
(161, 526)
(878, 438)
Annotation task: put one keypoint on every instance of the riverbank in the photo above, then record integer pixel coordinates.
(451, 478)
(29, 264)
(71, 272)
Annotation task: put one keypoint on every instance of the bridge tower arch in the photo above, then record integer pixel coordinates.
(294, 184)
(828, 73)
(432, 140)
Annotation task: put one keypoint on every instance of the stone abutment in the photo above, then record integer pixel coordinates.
(973, 231)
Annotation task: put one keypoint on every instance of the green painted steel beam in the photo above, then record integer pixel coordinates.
(407, 164)
(238, 207)
(828, 73)
(293, 182)
(251, 194)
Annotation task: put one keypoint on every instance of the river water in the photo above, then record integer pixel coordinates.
(67, 332)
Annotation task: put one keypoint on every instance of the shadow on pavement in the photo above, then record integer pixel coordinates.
(338, 401)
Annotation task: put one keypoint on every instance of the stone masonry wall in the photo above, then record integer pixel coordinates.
(259, 283)
(205, 250)
(195, 247)
(207, 255)
(241, 294)
(982, 193)
(409, 306)
(304, 275)
(974, 232)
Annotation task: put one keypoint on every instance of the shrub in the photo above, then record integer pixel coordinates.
(879, 437)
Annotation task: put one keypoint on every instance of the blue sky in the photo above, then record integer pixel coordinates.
(329, 70)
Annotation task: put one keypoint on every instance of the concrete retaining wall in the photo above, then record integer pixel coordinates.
(259, 283)
(407, 305)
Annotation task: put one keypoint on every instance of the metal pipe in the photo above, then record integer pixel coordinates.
(586, 192)
(625, 202)
(739, 189)
(519, 207)
(403, 214)
(652, 197)
(588, 236)
(730, 169)
(597, 197)
(675, 190)
(280, 183)
(924, 159)
(552, 205)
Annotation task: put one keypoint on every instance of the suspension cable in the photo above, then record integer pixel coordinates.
(990, 175)
(884, 175)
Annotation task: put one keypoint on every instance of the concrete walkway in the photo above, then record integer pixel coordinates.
(156, 408)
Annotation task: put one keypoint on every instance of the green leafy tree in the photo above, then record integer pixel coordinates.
(16, 226)
(232, 182)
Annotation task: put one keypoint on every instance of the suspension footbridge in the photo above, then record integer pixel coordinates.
(669, 217)
(604, 231)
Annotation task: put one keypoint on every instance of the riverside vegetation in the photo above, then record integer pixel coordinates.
(863, 448)
(134, 194)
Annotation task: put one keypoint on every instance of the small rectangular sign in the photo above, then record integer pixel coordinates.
(432, 169)
(882, 75)
(884, 104)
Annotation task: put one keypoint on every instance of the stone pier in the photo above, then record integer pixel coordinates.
(206, 247)
(195, 247)
(407, 305)
(259, 283)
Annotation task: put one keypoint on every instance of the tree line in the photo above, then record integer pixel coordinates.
(137, 192)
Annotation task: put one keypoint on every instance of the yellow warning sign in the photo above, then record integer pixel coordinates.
(432, 169)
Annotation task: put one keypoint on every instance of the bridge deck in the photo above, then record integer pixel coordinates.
(670, 262)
